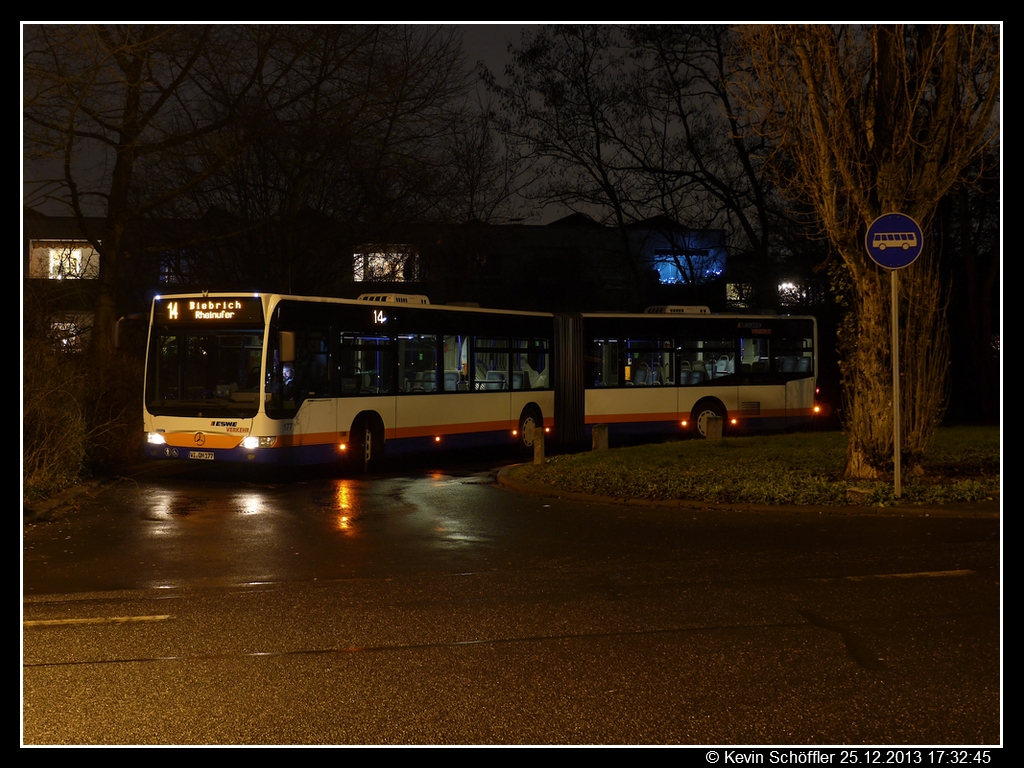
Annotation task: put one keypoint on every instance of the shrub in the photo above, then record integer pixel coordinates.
(54, 420)
(77, 420)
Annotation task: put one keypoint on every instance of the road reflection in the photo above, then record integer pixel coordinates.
(346, 510)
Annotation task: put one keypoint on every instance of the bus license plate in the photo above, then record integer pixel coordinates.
(206, 455)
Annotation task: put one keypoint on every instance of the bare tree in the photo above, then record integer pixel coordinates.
(307, 138)
(565, 106)
(696, 146)
(869, 121)
(488, 172)
(361, 135)
(103, 100)
(638, 123)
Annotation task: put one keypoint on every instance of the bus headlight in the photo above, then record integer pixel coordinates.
(252, 442)
(155, 438)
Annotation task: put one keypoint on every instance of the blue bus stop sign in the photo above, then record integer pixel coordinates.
(894, 241)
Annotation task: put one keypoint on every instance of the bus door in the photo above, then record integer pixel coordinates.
(796, 353)
(707, 370)
(491, 380)
(305, 383)
(800, 392)
(421, 386)
(648, 373)
(762, 396)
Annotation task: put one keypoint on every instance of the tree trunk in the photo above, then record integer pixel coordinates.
(866, 352)
(866, 368)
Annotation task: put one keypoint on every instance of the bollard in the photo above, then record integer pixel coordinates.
(600, 437)
(538, 447)
(713, 427)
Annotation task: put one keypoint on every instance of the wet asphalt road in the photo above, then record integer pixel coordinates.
(429, 605)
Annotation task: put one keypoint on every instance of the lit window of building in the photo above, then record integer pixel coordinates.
(385, 263)
(72, 260)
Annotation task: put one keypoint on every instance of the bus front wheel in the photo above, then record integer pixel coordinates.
(367, 443)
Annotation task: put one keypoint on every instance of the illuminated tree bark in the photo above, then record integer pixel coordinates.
(869, 121)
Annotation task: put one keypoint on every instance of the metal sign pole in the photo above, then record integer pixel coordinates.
(895, 313)
(894, 241)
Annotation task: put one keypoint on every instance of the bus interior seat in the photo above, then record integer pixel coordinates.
(537, 380)
(643, 375)
(422, 382)
(494, 380)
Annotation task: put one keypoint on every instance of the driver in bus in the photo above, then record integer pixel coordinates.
(287, 382)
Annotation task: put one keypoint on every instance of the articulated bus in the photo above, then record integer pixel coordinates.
(301, 380)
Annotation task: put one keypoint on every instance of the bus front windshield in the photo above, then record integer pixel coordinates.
(204, 372)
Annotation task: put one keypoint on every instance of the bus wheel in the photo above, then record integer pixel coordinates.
(367, 443)
(531, 425)
(704, 410)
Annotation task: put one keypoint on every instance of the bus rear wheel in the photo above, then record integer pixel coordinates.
(704, 410)
(531, 426)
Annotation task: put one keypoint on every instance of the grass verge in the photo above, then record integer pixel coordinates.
(797, 468)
